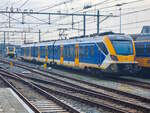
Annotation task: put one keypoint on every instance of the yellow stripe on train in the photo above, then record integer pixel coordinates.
(109, 45)
(144, 62)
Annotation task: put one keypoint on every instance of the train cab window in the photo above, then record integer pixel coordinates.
(123, 47)
(103, 47)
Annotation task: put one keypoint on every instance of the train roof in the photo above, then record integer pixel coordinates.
(80, 40)
(141, 37)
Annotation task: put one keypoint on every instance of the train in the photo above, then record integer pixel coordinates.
(142, 47)
(10, 51)
(112, 53)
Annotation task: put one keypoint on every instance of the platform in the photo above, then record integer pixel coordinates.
(10, 102)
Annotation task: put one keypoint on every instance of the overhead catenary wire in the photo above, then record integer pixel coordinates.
(129, 23)
(114, 5)
(24, 4)
(4, 5)
(135, 1)
(137, 11)
(60, 3)
(53, 21)
(99, 3)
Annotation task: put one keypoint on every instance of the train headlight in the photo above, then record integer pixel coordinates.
(113, 57)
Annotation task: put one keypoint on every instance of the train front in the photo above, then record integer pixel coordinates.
(121, 56)
(10, 51)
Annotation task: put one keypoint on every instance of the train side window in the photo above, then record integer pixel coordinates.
(71, 52)
(139, 49)
(92, 51)
(81, 51)
(58, 51)
(86, 51)
(148, 48)
(65, 51)
(42, 51)
(49, 51)
(68, 52)
(36, 51)
(103, 47)
(27, 51)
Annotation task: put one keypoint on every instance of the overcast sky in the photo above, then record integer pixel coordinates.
(135, 14)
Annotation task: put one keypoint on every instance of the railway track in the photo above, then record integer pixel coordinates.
(67, 94)
(3, 84)
(7, 83)
(39, 100)
(137, 83)
(127, 81)
(121, 80)
(136, 99)
(133, 107)
(110, 78)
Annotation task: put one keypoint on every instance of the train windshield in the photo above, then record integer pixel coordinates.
(11, 48)
(123, 47)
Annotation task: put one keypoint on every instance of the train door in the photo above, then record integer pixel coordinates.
(76, 55)
(61, 55)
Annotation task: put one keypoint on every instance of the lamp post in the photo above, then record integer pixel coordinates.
(120, 9)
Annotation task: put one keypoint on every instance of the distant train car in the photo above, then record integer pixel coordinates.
(11, 51)
(109, 53)
(142, 46)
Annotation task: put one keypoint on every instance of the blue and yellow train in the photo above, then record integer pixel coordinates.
(108, 53)
(142, 46)
(10, 51)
